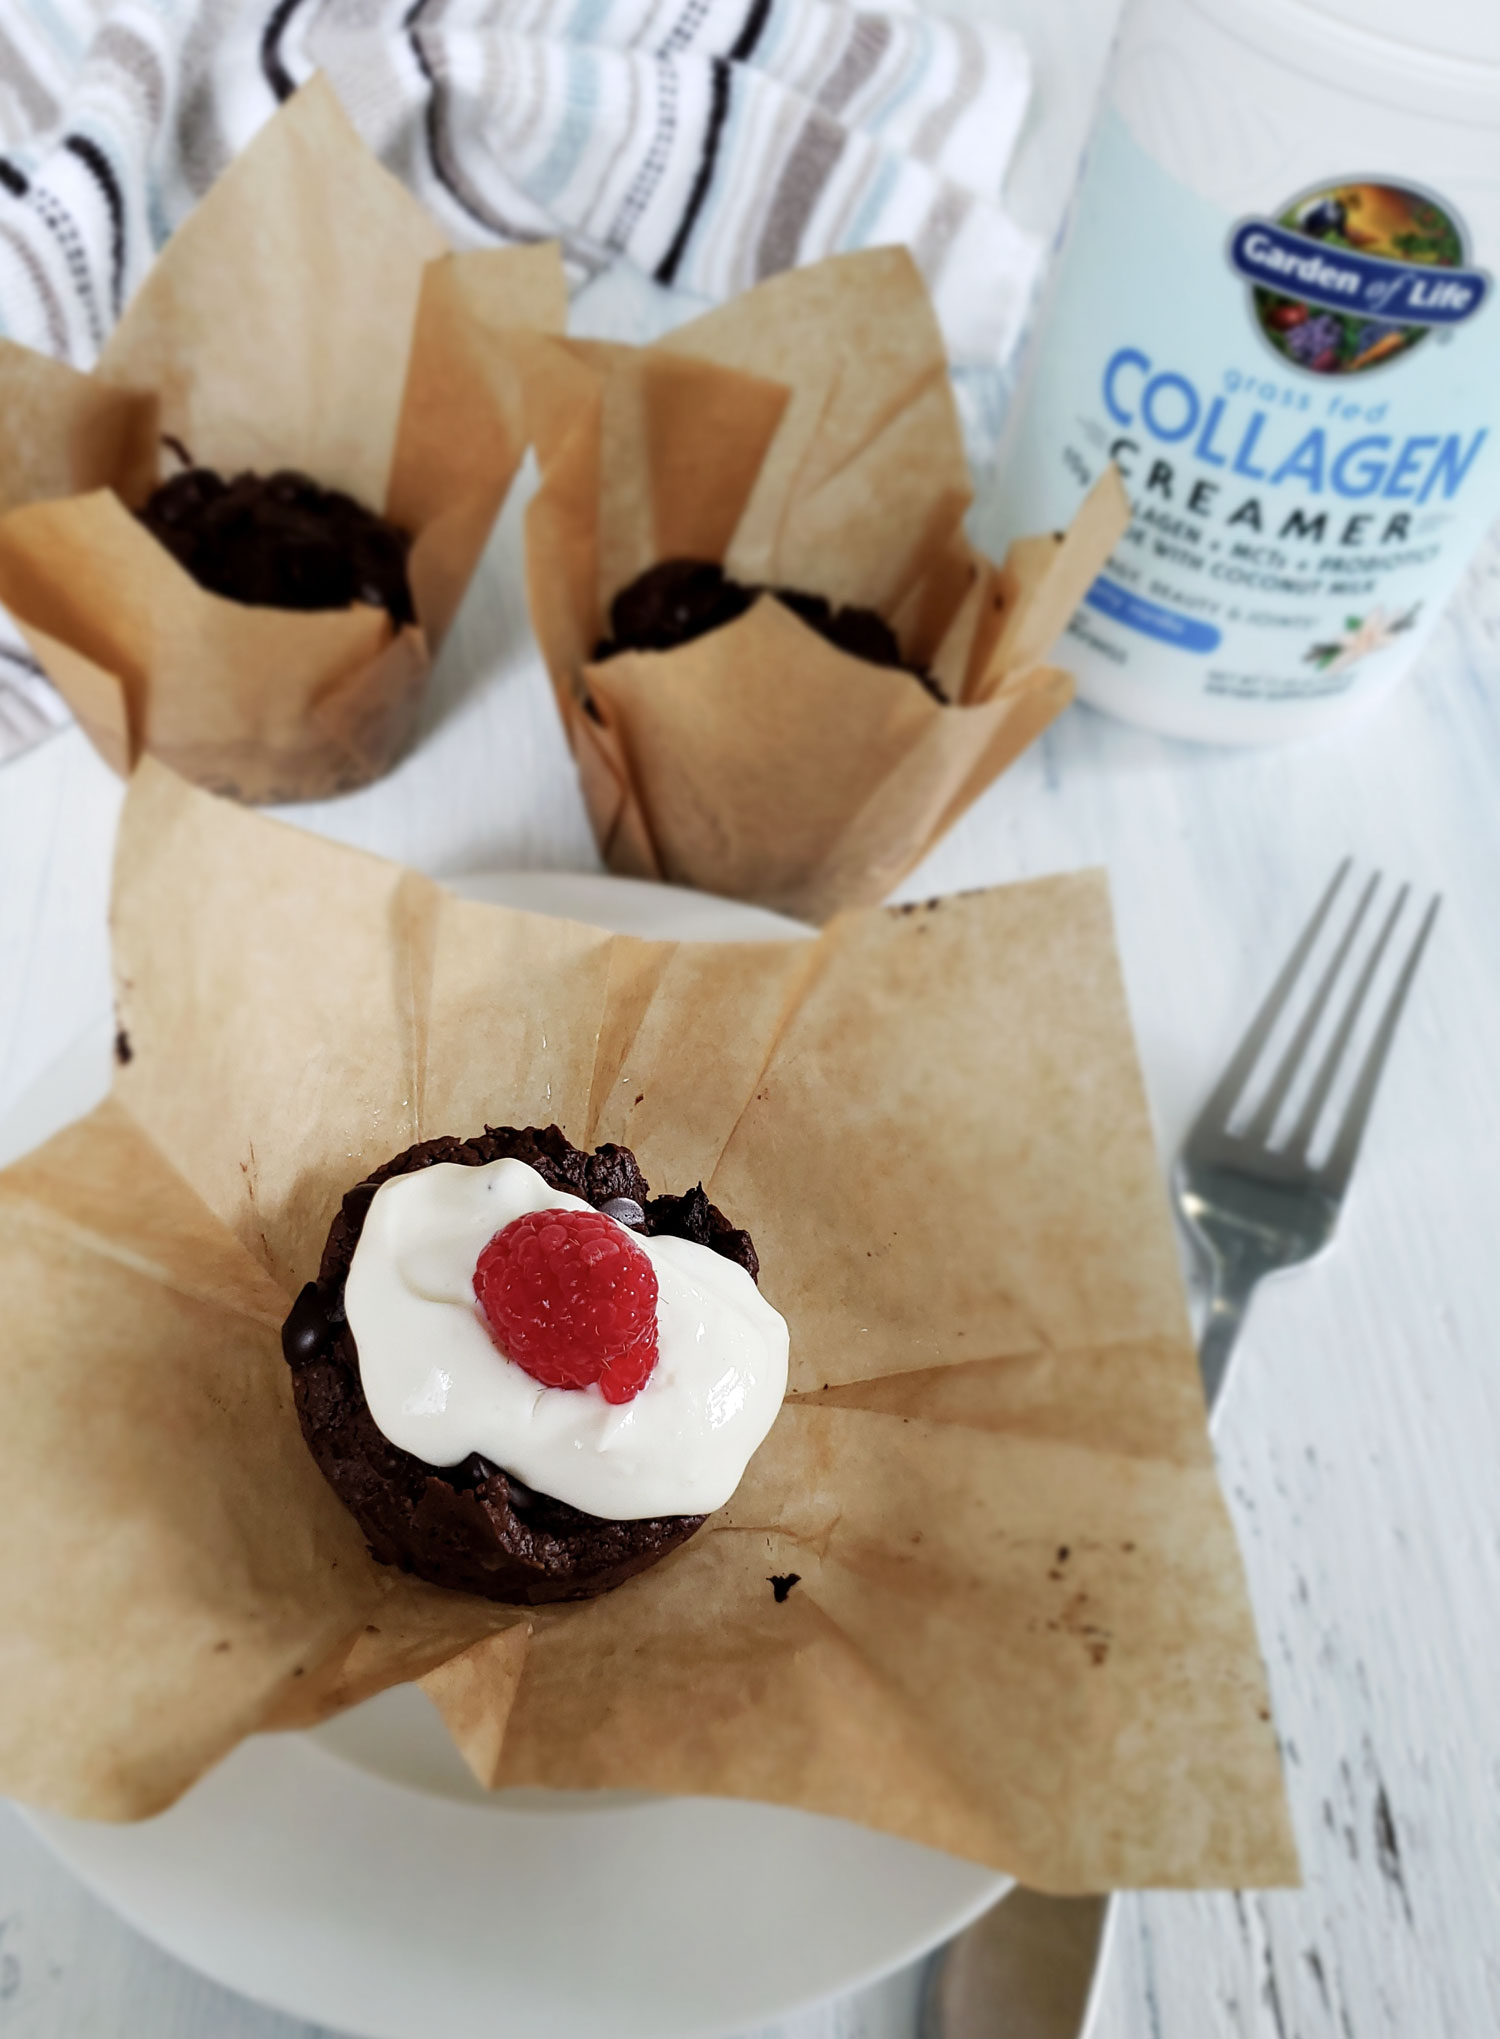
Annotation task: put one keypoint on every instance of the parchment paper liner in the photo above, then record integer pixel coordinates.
(308, 314)
(805, 433)
(1021, 1630)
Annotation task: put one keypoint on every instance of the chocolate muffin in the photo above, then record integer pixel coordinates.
(474, 1527)
(280, 541)
(682, 599)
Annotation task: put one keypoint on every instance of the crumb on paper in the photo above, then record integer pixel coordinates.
(782, 1584)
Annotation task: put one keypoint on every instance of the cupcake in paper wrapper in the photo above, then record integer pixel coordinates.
(309, 316)
(805, 436)
(1018, 1628)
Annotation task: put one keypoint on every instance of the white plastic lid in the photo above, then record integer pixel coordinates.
(1446, 61)
(1466, 29)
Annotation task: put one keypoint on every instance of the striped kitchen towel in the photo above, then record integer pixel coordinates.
(704, 143)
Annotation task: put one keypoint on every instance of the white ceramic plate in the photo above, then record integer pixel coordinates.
(358, 1877)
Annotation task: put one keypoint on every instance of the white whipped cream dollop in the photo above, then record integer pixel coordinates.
(439, 1386)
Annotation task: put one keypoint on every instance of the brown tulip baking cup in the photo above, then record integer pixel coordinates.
(978, 1587)
(309, 314)
(806, 435)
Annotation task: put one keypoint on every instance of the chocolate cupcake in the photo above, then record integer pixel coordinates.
(280, 541)
(682, 599)
(537, 1324)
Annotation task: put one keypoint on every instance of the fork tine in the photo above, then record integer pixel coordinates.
(1334, 1174)
(1317, 1097)
(1221, 1099)
(1258, 1128)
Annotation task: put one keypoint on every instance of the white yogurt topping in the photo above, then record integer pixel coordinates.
(439, 1386)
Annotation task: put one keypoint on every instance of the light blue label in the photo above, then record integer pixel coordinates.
(1306, 409)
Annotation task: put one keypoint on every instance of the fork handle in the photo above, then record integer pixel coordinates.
(1234, 1284)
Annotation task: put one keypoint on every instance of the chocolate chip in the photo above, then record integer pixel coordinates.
(309, 1325)
(625, 1211)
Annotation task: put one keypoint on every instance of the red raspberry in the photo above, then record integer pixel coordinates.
(569, 1296)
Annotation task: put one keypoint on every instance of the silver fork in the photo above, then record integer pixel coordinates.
(1256, 1204)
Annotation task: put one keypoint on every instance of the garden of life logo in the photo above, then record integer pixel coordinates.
(1354, 274)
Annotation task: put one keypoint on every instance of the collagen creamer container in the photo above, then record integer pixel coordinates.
(1276, 310)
